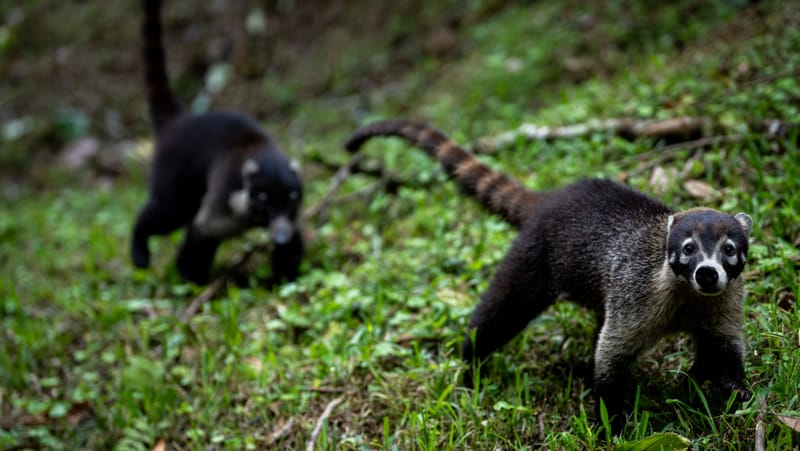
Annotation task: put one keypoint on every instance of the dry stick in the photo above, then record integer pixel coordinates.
(380, 172)
(338, 180)
(628, 128)
(760, 428)
(214, 287)
(318, 428)
(280, 433)
(312, 213)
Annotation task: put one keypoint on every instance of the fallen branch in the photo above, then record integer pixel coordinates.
(321, 421)
(391, 181)
(628, 128)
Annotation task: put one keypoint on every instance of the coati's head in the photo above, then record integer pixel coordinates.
(707, 248)
(272, 194)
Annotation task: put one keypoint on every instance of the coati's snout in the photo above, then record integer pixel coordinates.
(708, 248)
(708, 279)
(274, 198)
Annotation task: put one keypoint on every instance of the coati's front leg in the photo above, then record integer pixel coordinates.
(720, 359)
(618, 345)
(519, 291)
(155, 218)
(286, 258)
(196, 256)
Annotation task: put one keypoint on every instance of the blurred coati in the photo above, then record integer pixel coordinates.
(216, 174)
(646, 269)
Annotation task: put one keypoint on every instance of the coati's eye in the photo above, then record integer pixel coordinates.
(294, 195)
(689, 248)
(263, 197)
(729, 249)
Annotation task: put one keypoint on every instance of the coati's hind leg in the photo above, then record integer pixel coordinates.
(154, 219)
(720, 360)
(286, 258)
(517, 294)
(196, 256)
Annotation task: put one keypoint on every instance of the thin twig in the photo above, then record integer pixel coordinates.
(338, 179)
(390, 180)
(280, 432)
(658, 156)
(326, 390)
(702, 142)
(216, 286)
(318, 428)
(208, 294)
(760, 427)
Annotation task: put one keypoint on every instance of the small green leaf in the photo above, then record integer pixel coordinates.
(502, 405)
(665, 441)
(59, 410)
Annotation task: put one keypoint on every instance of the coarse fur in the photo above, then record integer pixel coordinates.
(646, 269)
(216, 174)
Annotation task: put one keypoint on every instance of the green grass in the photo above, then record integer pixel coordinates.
(93, 354)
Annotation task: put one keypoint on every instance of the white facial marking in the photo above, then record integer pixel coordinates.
(239, 202)
(722, 277)
(730, 259)
(294, 165)
(249, 167)
(711, 260)
(685, 258)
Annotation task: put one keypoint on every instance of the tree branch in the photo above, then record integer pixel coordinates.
(628, 128)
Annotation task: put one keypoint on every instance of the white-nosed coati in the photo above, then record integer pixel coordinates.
(216, 174)
(645, 268)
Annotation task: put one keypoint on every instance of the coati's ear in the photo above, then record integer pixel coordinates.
(294, 165)
(745, 221)
(249, 167)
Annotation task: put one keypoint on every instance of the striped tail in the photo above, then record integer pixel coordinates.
(161, 100)
(497, 192)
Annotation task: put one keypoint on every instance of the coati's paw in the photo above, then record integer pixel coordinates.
(466, 379)
(140, 257)
(742, 393)
(194, 274)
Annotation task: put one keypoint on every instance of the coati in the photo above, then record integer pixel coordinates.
(216, 174)
(646, 269)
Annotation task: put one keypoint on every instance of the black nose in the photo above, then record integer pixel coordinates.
(707, 277)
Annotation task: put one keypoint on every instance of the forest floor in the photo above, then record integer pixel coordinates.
(361, 351)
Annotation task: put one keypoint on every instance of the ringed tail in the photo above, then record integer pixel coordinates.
(497, 192)
(161, 101)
